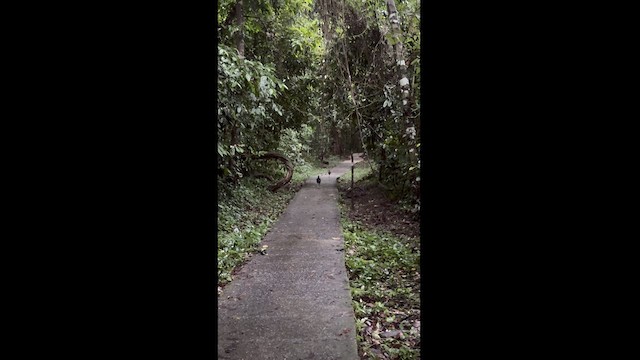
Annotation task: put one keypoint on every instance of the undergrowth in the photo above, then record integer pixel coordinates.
(384, 277)
(361, 170)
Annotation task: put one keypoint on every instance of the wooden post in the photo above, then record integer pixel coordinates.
(351, 185)
(351, 177)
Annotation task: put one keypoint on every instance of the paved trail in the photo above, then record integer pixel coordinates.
(294, 303)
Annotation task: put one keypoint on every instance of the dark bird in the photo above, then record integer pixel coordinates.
(318, 180)
(329, 171)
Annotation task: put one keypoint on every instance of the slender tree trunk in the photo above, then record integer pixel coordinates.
(394, 21)
(239, 12)
(403, 81)
(324, 11)
(399, 51)
(240, 23)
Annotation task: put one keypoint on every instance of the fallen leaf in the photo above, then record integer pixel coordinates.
(392, 333)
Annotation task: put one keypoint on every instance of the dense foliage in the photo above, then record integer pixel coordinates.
(310, 78)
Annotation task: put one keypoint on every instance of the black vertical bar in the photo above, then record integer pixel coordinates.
(351, 186)
(351, 176)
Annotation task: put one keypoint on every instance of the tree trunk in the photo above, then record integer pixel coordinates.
(394, 21)
(325, 19)
(240, 23)
(240, 46)
(403, 81)
(399, 51)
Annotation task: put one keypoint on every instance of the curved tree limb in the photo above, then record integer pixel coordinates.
(283, 159)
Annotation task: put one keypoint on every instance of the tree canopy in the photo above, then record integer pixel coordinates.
(309, 78)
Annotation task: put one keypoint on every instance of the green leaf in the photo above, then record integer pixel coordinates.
(221, 150)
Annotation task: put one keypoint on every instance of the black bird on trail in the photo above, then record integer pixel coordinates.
(329, 171)
(318, 180)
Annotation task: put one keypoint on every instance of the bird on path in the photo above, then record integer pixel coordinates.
(329, 171)
(318, 180)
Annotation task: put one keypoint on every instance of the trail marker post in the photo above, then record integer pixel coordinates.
(352, 184)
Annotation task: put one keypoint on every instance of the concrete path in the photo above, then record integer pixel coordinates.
(294, 302)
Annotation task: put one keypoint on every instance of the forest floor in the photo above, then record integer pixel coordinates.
(382, 243)
(376, 209)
